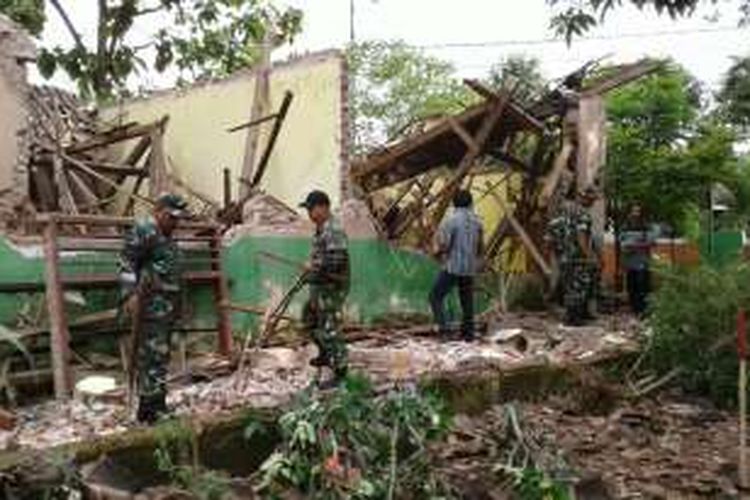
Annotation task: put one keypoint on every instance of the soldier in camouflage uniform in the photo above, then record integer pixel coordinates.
(328, 277)
(571, 235)
(149, 278)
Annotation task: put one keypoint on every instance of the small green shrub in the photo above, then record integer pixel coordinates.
(357, 445)
(534, 484)
(693, 318)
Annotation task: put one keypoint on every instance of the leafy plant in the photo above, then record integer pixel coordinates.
(575, 17)
(693, 315)
(357, 445)
(199, 38)
(534, 484)
(203, 484)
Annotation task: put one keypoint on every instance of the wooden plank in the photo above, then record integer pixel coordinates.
(626, 75)
(221, 297)
(446, 194)
(92, 200)
(140, 149)
(227, 188)
(60, 336)
(463, 134)
(536, 255)
(263, 163)
(259, 109)
(119, 187)
(157, 166)
(518, 112)
(109, 138)
(252, 123)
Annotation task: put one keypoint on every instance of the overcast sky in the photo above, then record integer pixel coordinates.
(474, 34)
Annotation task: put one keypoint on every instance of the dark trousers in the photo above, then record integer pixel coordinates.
(639, 286)
(444, 283)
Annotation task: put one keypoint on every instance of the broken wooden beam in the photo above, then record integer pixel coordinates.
(60, 350)
(112, 137)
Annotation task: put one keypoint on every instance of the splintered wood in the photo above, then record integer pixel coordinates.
(532, 149)
(79, 165)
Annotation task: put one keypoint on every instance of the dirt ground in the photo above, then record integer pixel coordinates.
(667, 447)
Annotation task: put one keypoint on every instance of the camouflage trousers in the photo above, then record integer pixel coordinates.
(579, 286)
(153, 359)
(322, 317)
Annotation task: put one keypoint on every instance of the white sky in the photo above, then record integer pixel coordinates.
(702, 46)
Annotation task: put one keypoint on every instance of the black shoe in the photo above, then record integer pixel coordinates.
(468, 337)
(151, 409)
(319, 361)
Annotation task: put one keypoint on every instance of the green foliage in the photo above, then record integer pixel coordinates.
(734, 96)
(534, 484)
(357, 445)
(574, 17)
(27, 13)
(396, 86)
(519, 73)
(204, 39)
(662, 153)
(693, 316)
(200, 483)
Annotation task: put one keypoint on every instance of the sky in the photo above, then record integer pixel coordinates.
(475, 34)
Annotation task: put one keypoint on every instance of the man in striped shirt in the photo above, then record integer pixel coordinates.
(460, 247)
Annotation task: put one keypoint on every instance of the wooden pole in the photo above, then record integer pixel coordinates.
(742, 396)
(259, 108)
(221, 297)
(227, 188)
(60, 336)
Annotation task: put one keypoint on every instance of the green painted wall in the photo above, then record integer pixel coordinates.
(384, 280)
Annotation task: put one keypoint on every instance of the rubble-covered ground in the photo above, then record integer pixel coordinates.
(274, 375)
(661, 448)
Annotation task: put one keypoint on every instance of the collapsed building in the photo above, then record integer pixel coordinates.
(244, 151)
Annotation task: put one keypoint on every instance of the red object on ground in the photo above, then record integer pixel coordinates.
(742, 334)
(7, 420)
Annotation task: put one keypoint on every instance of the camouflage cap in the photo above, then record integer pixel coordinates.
(174, 204)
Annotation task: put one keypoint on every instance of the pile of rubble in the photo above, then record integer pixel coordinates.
(276, 375)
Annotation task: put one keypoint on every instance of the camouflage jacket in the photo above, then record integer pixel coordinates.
(330, 255)
(564, 229)
(149, 264)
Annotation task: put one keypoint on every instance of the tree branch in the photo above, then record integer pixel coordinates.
(149, 10)
(64, 15)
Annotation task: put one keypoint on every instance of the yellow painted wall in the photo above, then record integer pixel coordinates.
(308, 153)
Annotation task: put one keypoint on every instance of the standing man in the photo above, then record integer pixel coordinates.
(578, 262)
(329, 285)
(149, 277)
(636, 241)
(460, 247)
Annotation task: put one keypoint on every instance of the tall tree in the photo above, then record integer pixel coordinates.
(397, 86)
(520, 73)
(575, 17)
(200, 38)
(663, 153)
(734, 95)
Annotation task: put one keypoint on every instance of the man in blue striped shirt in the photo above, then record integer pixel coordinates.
(460, 247)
